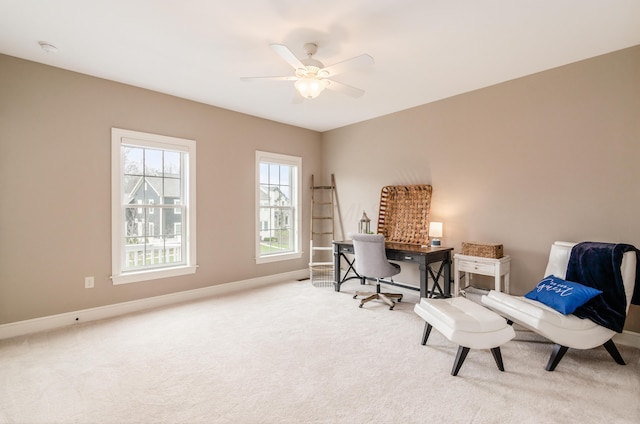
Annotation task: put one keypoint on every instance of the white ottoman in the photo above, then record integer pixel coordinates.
(467, 324)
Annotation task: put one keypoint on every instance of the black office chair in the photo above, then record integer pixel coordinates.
(371, 261)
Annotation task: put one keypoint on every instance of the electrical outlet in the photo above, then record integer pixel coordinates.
(88, 282)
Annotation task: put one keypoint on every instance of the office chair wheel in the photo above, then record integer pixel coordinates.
(391, 307)
(355, 296)
(360, 306)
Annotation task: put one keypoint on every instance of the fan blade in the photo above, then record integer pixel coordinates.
(284, 52)
(344, 89)
(291, 78)
(345, 65)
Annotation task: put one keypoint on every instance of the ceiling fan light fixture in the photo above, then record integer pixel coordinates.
(311, 76)
(311, 87)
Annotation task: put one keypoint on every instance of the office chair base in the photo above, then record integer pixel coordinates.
(385, 297)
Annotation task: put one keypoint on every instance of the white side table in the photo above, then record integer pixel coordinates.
(496, 268)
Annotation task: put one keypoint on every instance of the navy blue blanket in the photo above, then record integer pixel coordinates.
(598, 265)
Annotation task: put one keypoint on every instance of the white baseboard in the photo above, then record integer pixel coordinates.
(19, 328)
(51, 322)
(628, 338)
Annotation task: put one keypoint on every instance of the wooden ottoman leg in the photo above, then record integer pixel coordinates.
(498, 357)
(427, 331)
(460, 357)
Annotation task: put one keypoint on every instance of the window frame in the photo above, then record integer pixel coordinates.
(296, 193)
(118, 255)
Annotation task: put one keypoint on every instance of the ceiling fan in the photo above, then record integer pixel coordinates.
(311, 76)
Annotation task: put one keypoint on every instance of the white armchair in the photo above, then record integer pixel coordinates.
(566, 331)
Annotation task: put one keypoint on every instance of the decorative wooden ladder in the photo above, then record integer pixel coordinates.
(322, 233)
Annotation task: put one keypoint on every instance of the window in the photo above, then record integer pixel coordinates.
(153, 206)
(277, 207)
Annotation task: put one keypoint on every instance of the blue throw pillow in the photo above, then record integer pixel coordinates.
(563, 296)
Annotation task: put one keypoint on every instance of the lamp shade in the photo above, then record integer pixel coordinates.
(435, 229)
(311, 87)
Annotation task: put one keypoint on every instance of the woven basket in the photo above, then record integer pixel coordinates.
(483, 250)
(404, 214)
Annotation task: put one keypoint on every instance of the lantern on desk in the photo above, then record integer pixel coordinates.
(435, 231)
(365, 224)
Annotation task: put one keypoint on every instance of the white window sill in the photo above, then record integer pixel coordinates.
(137, 276)
(278, 258)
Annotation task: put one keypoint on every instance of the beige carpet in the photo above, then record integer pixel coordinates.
(294, 353)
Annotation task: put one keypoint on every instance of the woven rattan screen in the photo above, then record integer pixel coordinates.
(404, 214)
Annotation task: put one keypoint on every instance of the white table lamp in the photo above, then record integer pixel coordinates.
(435, 231)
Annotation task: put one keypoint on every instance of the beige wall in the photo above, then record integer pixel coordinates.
(552, 156)
(55, 219)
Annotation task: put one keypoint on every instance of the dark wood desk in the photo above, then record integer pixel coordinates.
(427, 259)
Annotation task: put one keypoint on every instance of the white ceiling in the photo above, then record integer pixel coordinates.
(424, 50)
